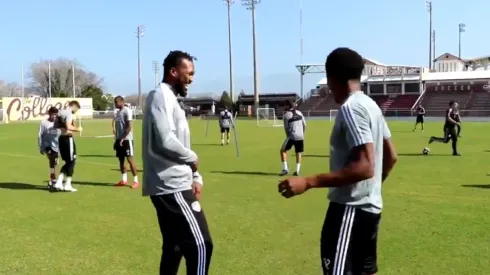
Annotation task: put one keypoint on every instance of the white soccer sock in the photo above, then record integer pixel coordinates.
(285, 165)
(51, 170)
(298, 166)
(60, 178)
(135, 179)
(125, 177)
(68, 181)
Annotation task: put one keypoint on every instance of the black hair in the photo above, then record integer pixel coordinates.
(74, 103)
(173, 59)
(119, 98)
(344, 64)
(288, 104)
(53, 110)
(451, 103)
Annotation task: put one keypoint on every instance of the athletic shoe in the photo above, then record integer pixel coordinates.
(284, 172)
(121, 183)
(431, 140)
(296, 174)
(135, 185)
(58, 186)
(69, 188)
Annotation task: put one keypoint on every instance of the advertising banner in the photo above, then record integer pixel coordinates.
(36, 108)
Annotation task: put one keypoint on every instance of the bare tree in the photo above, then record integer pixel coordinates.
(10, 89)
(61, 77)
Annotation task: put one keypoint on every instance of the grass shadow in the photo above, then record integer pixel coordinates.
(316, 156)
(90, 183)
(129, 170)
(422, 155)
(481, 186)
(256, 173)
(97, 156)
(21, 186)
(207, 144)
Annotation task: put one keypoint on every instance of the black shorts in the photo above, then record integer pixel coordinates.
(349, 241)
(450, 133)
(289, 143)
(68, 149)
(225, 129)
(420, 119)
(126, 150)
(51, 154)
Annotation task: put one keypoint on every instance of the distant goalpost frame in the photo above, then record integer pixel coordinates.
(266, 117)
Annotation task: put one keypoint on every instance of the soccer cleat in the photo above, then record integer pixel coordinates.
(431, 140)
(296, 174)
(121, 183)
(135, 185)
(58, 186)
(456, 154)
(413, 130)
(69, 188)
(284, 172)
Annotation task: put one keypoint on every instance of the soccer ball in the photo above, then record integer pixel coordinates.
(426, 151)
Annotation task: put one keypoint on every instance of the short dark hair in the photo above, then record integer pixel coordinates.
(74, 103)
(288, 103)
(119, 98)
(451, 103)
(173, 59)
(53, 110)
(344, 64)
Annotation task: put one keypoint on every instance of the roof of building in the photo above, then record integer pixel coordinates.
(456, 75)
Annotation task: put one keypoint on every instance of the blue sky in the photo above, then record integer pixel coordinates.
(101, 35)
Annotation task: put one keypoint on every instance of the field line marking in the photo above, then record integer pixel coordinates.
(34, 157)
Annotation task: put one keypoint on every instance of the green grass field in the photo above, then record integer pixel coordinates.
(436, 218)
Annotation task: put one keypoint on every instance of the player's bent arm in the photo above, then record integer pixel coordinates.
(449, 117)
(70, 127)
(359, 168)
(389, 158)
(166, 140)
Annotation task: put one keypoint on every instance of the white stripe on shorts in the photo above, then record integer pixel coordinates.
(196, 232)
(70, 141)
(343, 241)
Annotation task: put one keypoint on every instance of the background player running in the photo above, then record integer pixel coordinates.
(67, 147)
(450, 128)
(225, 122)
(420, 117)
(295, 126)
(124, 146)
(48, 143)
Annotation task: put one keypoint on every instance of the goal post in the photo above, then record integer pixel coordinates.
(333, 114)
(266, 117)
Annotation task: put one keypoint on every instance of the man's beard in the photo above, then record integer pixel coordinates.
(180, 89)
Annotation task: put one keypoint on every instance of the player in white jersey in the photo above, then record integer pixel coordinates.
(225, 122)
(48, 143)
(361, 158)
(124, 145)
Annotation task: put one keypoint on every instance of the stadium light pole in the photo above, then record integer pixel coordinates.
(251, 5)
(433, 49)
(462, 29)
(428, 4)
(140, 32)
(155, 71)
(301, 32)
(228, 4)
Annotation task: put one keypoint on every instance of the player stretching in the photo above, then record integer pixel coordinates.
(361, 158)
(450, 128)
(225, 122)
(48, 143)
(420, 117)
(295, 126)
(124, 146)
(67, 148)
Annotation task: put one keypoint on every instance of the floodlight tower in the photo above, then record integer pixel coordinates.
(228, 4)
(251, 5)
(428, 5)
(155, 71)
(462, 29)
(140, 32)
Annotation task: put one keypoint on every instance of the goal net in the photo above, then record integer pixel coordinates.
(333, 114)
(266, 117)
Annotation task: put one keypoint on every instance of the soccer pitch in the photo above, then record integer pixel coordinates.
(436, 217)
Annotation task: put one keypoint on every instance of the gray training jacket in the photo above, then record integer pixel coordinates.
(166, 145)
